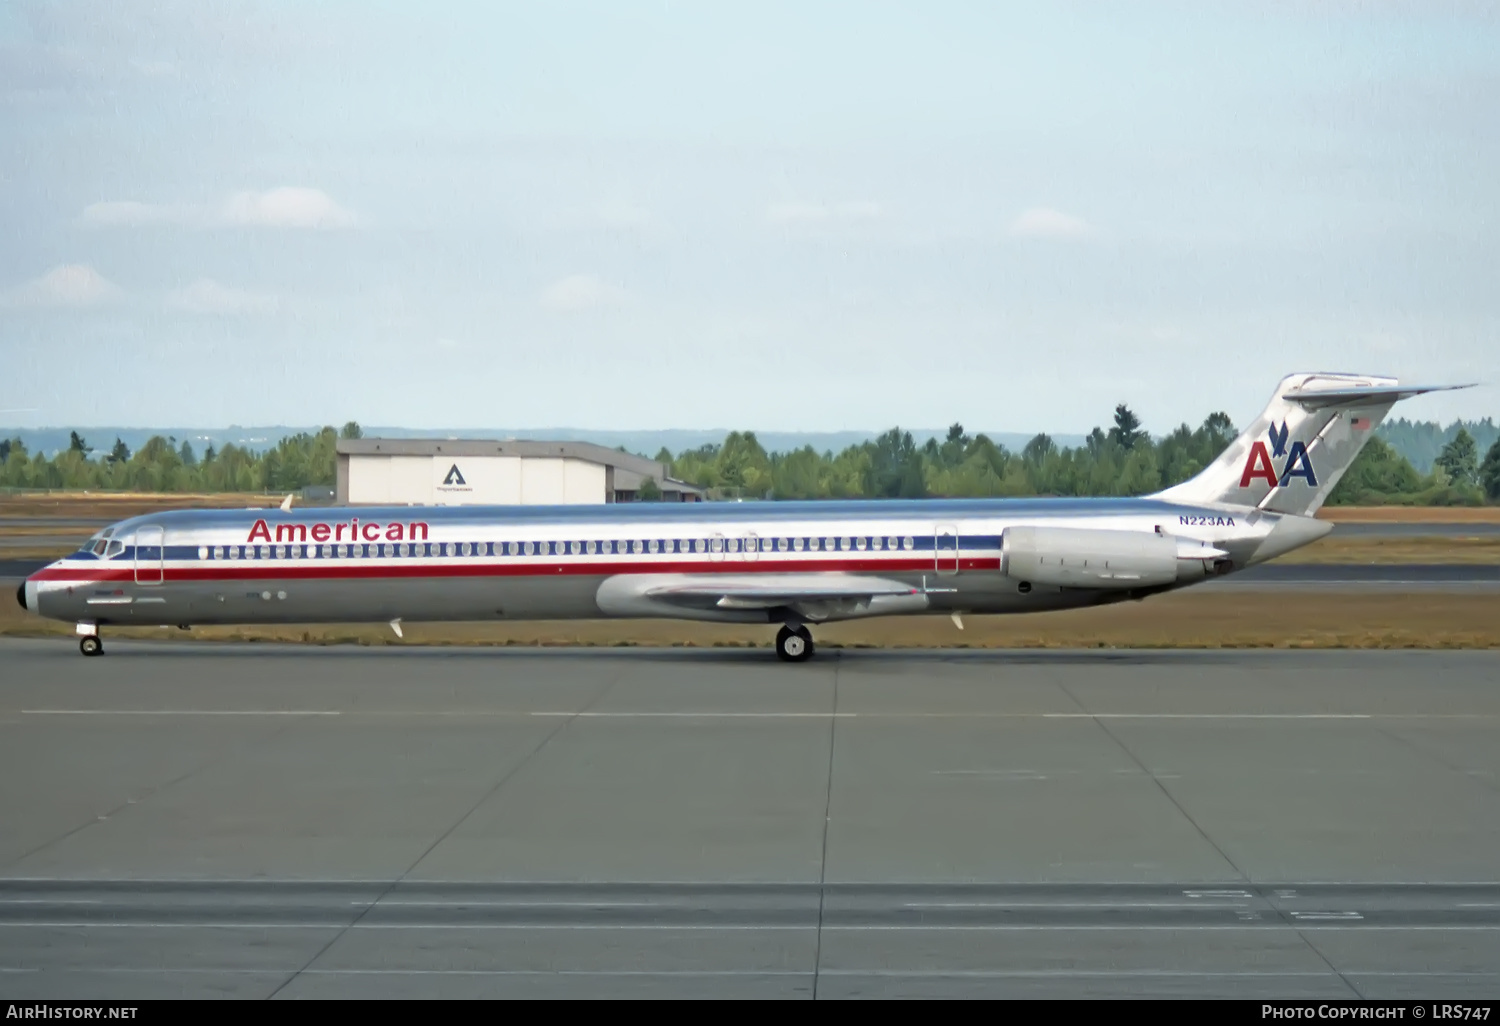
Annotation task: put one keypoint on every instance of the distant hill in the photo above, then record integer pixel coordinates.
(1420, 442)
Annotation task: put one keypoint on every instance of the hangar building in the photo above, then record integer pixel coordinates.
(432, 472)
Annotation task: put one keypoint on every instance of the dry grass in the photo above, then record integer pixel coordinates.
(119, 505)
(1394, 551)
(1183, 620)
(1411, 514)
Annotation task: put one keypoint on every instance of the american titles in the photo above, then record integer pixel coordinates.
(350, 531)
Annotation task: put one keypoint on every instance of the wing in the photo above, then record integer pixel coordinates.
(782, 591)
(814, 596)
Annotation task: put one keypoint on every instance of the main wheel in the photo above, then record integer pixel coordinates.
(794, 645)
(90, 645)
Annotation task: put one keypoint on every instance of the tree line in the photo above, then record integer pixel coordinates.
(164, 465)
(1119, 461)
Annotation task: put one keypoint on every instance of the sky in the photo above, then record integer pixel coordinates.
(794, 216)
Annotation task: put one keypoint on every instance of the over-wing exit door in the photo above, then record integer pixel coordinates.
(945, 549)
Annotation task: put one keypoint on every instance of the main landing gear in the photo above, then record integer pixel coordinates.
(90, 644)
(794, 643)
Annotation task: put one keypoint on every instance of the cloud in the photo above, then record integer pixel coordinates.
(75, 285)
(581, 292)
(288, 207)
(1042, 223)
(207, 296)
(129, 214)
(793, 213)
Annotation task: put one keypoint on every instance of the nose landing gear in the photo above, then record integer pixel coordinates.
(794, 644)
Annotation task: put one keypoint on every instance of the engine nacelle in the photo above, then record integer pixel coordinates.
(1072, 557)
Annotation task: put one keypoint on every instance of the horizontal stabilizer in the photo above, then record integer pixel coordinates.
(1314, 399)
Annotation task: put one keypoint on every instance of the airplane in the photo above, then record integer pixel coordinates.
(792, 564)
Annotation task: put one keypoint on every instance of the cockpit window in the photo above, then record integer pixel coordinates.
(115, 548)
(98, 547)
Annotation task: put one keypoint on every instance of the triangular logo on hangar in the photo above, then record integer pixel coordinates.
(454, 477)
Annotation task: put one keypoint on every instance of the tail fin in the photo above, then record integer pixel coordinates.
(1291, 458)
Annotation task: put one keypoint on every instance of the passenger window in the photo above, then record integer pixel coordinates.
(859, 543)
(907, 543)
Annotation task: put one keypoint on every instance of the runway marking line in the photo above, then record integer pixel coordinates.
(741, 928)
(514, 904)
(1074, 904)
(181, 712)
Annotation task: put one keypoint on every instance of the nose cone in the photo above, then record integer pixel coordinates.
(26, 594)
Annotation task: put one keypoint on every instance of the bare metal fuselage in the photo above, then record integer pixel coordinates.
(827, 561)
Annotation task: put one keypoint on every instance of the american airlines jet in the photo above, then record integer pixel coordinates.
(791, 564)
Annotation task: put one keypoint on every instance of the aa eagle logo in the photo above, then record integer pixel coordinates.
(1258, 465)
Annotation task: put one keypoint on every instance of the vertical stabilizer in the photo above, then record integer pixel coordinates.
(1292, 456)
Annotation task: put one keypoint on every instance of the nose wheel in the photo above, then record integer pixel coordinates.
(90, 645)
(794, 644)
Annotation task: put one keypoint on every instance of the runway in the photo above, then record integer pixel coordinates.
(259, 821)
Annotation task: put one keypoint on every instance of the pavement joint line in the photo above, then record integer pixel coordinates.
(505, 777)
(706, 714)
